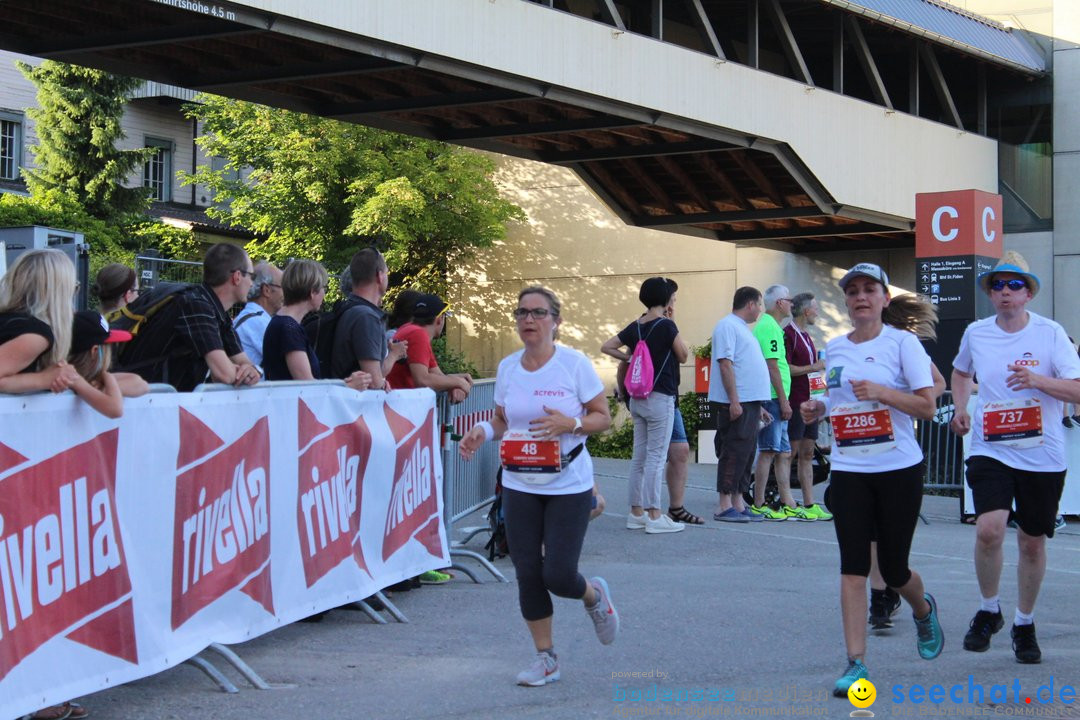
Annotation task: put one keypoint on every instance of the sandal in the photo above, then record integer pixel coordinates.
(54, 712)
(681, 514)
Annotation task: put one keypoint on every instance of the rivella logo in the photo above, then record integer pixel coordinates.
(61, 556)
(414, 502)
(330, 492)
(221, 532)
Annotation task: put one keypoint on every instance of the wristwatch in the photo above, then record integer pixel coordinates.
(577, 427)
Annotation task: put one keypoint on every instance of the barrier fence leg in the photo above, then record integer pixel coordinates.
(370, 612)
(244, 669)
(213, 673)
(461, 552)
(391, 608)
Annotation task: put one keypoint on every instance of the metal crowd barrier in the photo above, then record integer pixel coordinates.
(943, 449)
(468, 486)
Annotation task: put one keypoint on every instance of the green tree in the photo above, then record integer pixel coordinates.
(316, 186)
(78, 126)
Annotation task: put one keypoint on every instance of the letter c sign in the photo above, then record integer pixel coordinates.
(988, 215)
(935, 224)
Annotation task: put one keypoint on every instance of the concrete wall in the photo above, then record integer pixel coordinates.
(573, 244)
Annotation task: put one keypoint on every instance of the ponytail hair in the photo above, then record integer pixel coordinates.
(912, 313)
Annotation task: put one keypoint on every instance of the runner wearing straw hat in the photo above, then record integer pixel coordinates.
(1026, 368)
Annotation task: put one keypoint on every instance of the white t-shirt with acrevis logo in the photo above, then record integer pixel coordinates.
(565, 383)
(894, 359)
(1042, 346)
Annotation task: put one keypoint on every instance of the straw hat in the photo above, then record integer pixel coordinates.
(1010, 262)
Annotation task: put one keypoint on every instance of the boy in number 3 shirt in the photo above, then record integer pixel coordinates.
(1025, 367)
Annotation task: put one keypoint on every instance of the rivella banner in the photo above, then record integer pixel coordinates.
(128, 546)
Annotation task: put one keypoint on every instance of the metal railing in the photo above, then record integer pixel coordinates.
(468, 486)
(942, 448)
(152, 270)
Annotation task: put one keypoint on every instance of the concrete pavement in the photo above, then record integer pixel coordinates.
(744, 617)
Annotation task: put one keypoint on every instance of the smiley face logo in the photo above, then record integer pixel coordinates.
(862, 693)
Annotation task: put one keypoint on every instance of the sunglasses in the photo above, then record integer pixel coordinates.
(537, 313)
(1015, 284)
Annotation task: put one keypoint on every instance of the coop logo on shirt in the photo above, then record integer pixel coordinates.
(832, 380)
(1027, 360)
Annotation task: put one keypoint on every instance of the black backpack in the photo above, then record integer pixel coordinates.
(135, 315)
(320, 328)
(497, 546)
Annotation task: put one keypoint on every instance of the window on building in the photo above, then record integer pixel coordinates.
(157, 172)
(11, 128)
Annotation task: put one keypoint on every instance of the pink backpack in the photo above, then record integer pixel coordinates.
(639, 375)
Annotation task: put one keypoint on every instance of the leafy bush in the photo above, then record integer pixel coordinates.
(618, 441)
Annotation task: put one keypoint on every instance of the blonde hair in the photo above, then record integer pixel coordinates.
(41, 283)
(301, 278)
(553, 303)
(912, 313)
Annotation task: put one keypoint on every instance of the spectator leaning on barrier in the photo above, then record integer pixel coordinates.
(264, 299)
(360, 336)
(420, 368)
(193, 334)
(90, 356)
(115, 286)
(287, 352)
(35, 323)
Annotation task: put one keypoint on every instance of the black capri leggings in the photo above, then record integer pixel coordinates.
(545, 534)
(876, 506)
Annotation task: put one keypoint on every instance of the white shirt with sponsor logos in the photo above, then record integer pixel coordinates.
(1042, 346)
(732, 339)
(565, 383)
(895, 359)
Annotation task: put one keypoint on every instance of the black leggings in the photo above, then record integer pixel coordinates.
(876, 506)
(545, 534)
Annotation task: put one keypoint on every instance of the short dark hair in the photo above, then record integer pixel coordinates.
(365, 265)
(744, 296)
(221, 261)
(673, 285)
(655, 291)
(403, 308)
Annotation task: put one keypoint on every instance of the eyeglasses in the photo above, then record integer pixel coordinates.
(272, 285)
(537, 313)
(1016, 284)
(249, 273)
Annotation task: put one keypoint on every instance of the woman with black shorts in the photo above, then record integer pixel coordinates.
(548, 398)
(878, 379)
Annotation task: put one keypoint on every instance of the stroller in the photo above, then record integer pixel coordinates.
(821, 467)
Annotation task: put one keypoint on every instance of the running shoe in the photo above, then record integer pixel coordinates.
(663, 524)
(435, 577)
(931, 639)
(636, 522)
(768, 513)
(983, 625)
(883, 605)
(795, 513)
(1059, 522)
(544, 669)
(855, 671)
(817, 512)
(1025, 646)
(603, 614)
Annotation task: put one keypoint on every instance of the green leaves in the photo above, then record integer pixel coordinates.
(318, 188)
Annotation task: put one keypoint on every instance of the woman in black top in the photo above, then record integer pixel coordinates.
(35, 323)
(653, 415)
(287, 353)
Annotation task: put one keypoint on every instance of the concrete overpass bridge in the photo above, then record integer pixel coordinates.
(805, 123)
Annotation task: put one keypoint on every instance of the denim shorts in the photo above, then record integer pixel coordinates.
(774, 436)
(678, 429)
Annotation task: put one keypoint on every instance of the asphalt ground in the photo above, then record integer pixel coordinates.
(737, 620)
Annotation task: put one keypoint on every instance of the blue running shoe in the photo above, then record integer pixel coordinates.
(855, 671)
(931, 639)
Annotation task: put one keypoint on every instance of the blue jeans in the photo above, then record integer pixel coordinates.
(774, 436)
